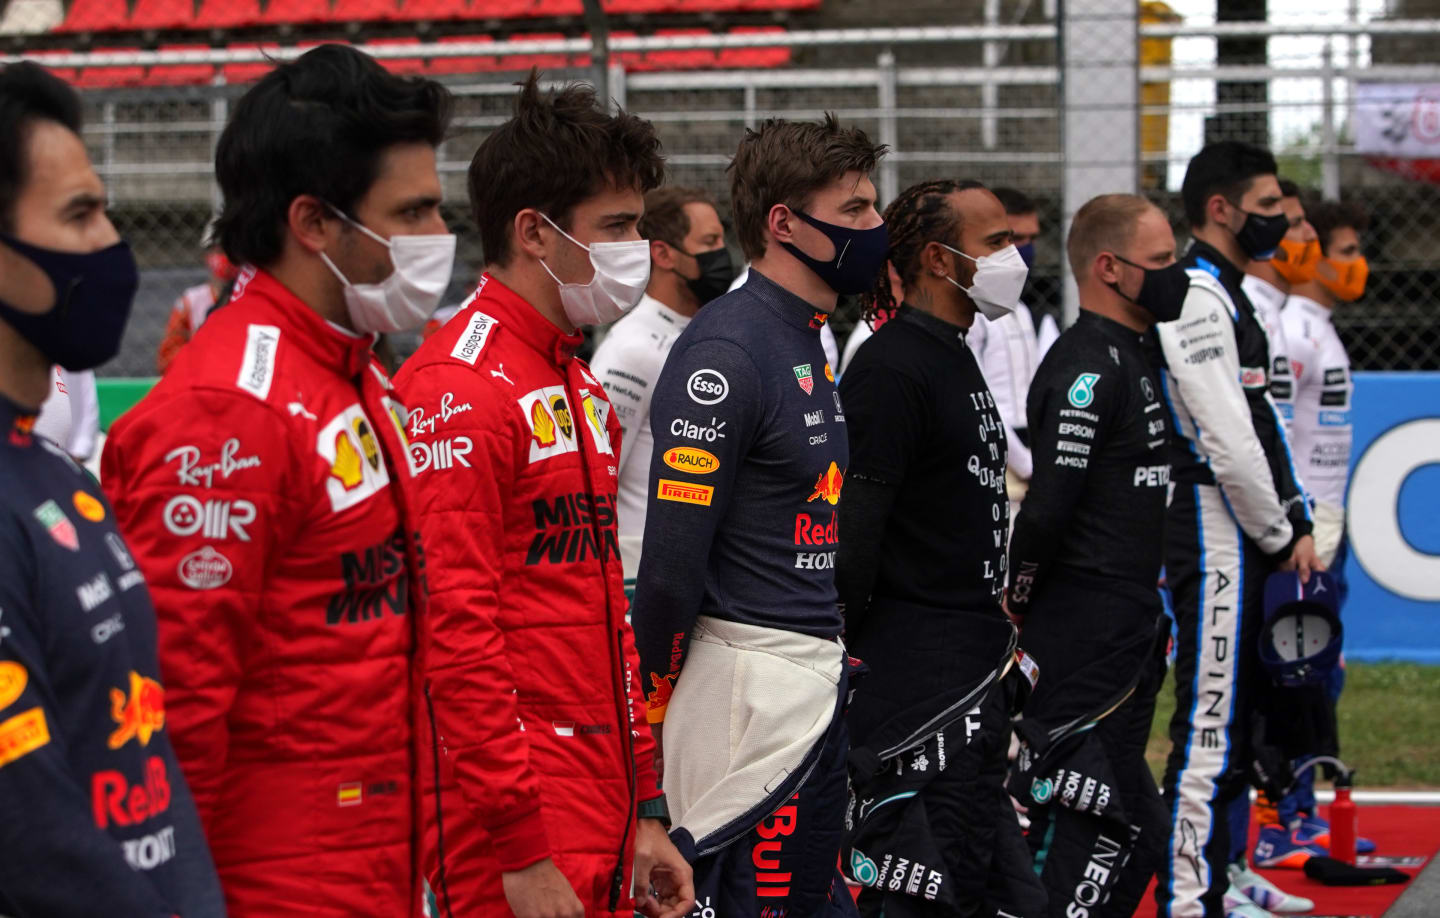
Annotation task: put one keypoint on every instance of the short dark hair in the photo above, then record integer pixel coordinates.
(1288, 189)
(317, 125)
(786, 162)
(28, 93)
(1015, 201)
(665, 218)
(921, 214)
(558, 149)
(1226, 168)
(1328, 216)
(1107, 223)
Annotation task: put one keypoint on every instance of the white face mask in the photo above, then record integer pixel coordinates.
(406, 298)
(622, 271)
(999, 278)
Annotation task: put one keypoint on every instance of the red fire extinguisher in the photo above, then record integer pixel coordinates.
(1343, 827)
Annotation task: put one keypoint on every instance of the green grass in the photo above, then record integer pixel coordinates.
(1389, 725)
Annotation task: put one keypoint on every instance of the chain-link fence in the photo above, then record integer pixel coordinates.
(1110, 97)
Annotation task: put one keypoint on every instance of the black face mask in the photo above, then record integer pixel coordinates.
(1260, 236)
(93, 295)
(1162, 292)
(859, 255)
(716, 273)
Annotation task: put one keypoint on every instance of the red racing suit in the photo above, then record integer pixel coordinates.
(258, 487)
(531, 667)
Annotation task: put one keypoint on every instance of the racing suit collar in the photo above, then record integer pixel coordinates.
(662, 313)
(327, 344)
(1206, 256)
(1311, 308)
(17, 422)
(948, 332)
(525, 321)
(1111, 329)
(790, 308)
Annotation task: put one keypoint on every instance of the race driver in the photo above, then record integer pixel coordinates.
(930, 830)
(262, 486)
(1085, 559)
(1238, 512)
(689, 267)
(1268, 282)
(544, 763)
(735, 609)
(95, 815)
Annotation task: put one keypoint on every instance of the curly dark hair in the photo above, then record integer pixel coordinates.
(560, 148)
(1328, 216)
(921, 214)
(318, 125)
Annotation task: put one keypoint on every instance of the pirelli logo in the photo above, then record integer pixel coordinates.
(22, 735)
(684, 493)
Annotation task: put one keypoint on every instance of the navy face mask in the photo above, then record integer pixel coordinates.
(1027, 252)
(859, 255)
(93, 295)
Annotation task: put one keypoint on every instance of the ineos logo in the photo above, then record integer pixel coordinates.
(707, 387)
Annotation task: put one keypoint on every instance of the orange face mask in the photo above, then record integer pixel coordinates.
(1296, 261)
(1345, 279)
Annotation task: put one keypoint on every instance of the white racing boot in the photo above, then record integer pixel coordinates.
(1264, 893)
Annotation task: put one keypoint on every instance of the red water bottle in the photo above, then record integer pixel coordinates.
(1342, 820)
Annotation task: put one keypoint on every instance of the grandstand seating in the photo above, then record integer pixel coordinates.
(170, 15)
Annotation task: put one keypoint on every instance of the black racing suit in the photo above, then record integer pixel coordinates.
(95, 816)
(1085, 561)
(745, 479)
(931, 830)
(1237, 509)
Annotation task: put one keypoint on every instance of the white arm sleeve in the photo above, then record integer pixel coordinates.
(1204, 367)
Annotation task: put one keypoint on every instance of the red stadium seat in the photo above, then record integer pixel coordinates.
(444, 65)
(94, 16)
(543, 61)
(401, 65)
(500, 9)
(162, 14)
(640, 6)
(227, 14)
(245, 73)
(758, 57)
(180, 74)
(68, 74)
(782, 4)
(364, 10)
(710, 6)
(110, 77)
(686, 59)
(433, 10)
(295, 12)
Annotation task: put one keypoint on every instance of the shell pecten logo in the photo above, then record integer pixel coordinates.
(692, 460)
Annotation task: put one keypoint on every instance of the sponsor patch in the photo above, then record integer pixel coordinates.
(205, 569)
(193, 473)
(257, 366)
(1082, 390)
(13, 678)
(804, 378)
(685, 493)
(552, 430)
(1333, 376)
(94, 591)
(22, 735)
(1253, 377)
(441, 454)
(828, 485)
(88, 507)
(681, 427)
(597, 413)
(342, 445)
(57, 524)
(185, 515)
(1147, 389)
(692, 460)
(707, 387)
(138, 713)
(421, 424)
(829, 373)
(472, 340)
(351, 793)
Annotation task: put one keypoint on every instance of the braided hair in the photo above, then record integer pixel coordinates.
(920, 215)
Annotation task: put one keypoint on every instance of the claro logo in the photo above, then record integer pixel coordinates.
(1374, 527)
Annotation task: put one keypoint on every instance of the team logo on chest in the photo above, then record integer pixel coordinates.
(347, 445)
(552, 430)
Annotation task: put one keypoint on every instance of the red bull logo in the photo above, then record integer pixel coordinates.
(140, 714)
(118, 801)
(827, 486)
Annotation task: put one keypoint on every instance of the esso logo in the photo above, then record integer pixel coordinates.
(707, 387)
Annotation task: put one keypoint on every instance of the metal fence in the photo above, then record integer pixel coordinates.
(1105, 99)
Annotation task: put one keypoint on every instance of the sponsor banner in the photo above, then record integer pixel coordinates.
(684, 493)
(1398, 119)
(1393, 563)
(347, 445)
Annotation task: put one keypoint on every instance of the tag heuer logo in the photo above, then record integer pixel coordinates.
(805, 378)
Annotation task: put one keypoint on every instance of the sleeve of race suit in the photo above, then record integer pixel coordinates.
(684, 509)
(1203, 366)
(56, 862)
(887, 420)
(628, 375)
(203, 486)
(472, 684)
(1288, 486)
(1062, 440)
(647, 782)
